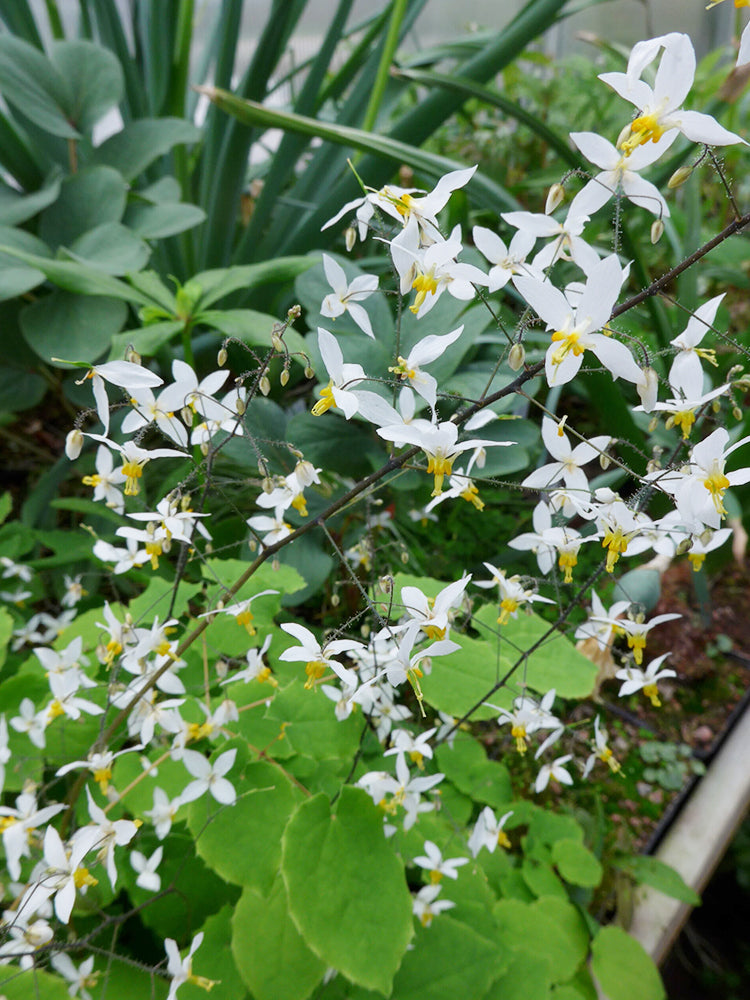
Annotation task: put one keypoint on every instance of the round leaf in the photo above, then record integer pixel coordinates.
(623, 968)
(141, 142)
(30, 82)
(272, 957)
(87, 199)
(66, 325)
(347, 891)
(577, 864)
(111, 248)
(94, 80)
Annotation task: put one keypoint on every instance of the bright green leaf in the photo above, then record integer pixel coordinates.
(467, 767)
(310, 724)
(218, 283)
(87, 199)
(155, 222)
(272, 957)
(623, 968)
(347, 891)
(660, 876)
(577, 864)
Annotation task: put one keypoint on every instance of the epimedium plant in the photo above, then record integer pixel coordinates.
(265, 773)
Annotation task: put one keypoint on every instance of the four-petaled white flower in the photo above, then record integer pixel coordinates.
(346, 295)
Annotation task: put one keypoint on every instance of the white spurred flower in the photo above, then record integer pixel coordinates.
(181, 969)
(619, 174)
(31, 722)
(433, 271)
(124, 559)
(512, 593)
(565, 240)
(163, 812)
(134, 459)
(342, 378)
(660, 107)
(187, 393)
(275, 527)
(488, 832)
(507, 261)
(346, 295)
(317, 658)
(554, 771)
(689, 355)
(436, 865)
(150, 409)
(124, 374)
(99, 764)
(79, 978)
(432, 615)
(426, 905)
(568, 459)
(575, 327)
(60, 874)
(428, 349)
(636, 631)
(148, 876)
(439, 442)
(106, 479)
(209, 777)
(602, 752)
(18, 824)
(105, 834)
(706, 473)
(646, 680)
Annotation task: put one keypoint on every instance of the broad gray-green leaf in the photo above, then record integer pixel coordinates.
(30, 82)
(347, 891)
(16, 208)
(143, 141)
(622, 968)
(111, 248)
(147, 340)
(87, 199)
(80, 278)
(154, 222)
(15, 281)
(19, 389)
(250, 327)
(93, 77)
(71, 326)
(272, 957)
(17, 985)
(218, 283)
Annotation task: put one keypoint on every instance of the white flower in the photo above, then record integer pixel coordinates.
(181, 969)
(426, 905)
(317, 658)
(438, 866)
(428, 349)
(209, 777)
(644, 680)
(341, 377)
(80, 978)
(660, 107)
(346, 296)
(488, 832)
(555, 770)
(148, 877)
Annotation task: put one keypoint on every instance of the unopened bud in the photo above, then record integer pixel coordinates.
(284, 377)
(386, 584)
(404, 557)
(187, 415)
(335, 600)
(683, 546)
(657, 228)
(240, 406)
(294, 312)
(734, 371)
(736, 412)
(716, 405)
(516, 357)
(653, 424)
(264, 385)
(204, 448)
(605, 461)
(74, 443)
(221, 357)
(309, 373)
(222, 669)
(267, 485)
(554, 196)
(132, 355)
(275, 564)
(653, 466)
(277, 343)
(350, 238)
(679, 177)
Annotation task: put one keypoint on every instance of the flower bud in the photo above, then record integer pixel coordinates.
(657, 229)
(222, 669)
(335, 600)
(679, 177)
(221, 357)
(277, 343)
(294, 312)
(716, 405)
(554, 196)
(736, 412)
(604, 461)
(265, 384)
(350, 238)
(648, 389)
(132, 355)
(309, 373)
(240, 406)
(284, 377)
(204, 448)
(386, 584)
(516, 357)
(683, 547)
(73, 444)
(187, 415)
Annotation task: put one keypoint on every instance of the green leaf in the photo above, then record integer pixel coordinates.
(622, 967)
(660, 876)
(555, 664)
(73, 326)
(347, 891)
(6, 506)
(552, 929)
(526, 977)
(467, 767)
(242, 843)
(147, 340)
(87, 199)
(17, 280)
(461, 680)
(16, 208)
(310, 724)
(30, 82)
(486, 192)
(79, 278)
(93, 79)
(155, 222)
(272, 957)
(212, 961)
(111, 248)
(6, 622)
(577, 864)
(216, 284)
(141, 142)
(250, 327)
(16, 985)
(449, 960)
(335, 444)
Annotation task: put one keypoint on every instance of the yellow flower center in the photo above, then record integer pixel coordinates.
(609, 758)
(300, 504)
(508, 605)
(94, 480)
(637, 643)
(102, 776)
(436, 876)
(325, 402)
(645, 128)
(245, 618)
(697, 559)
(652, 693)
(132, 472)
(616, 544)
(518, 732)
(568, 341)
(153, 551)
(81, 878)
(502, 840)
(424, 284)
(471, 495)
(716, 483)
(402, 369)
(433, 632)
(684, 419)
(55, 710)
(199, 730)
(566, 562)
(314, 670)
(439, 467)
(114, 648)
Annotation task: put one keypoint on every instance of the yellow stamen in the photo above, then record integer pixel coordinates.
(684, 419)
(325, 402)
(519, 735)
(199, 730)
(652, 692)
(132, 472)
(314, 670)
(114, 648)
(300, 504)
(425, 284)
(502, 840)
(697, 559)
(402, 370)
(436, 876)
(566, 562)
(616, 543)
(245, 618)
(440, 468)
(471, 494)
(637, 643)
(153, 551)
(609, 758)
(102, 776)
(81, 878)
(568, 342)
(645, 128)
(433, 632)
(508, 606)
(54, 710)
(94, 480)
(716, 483)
